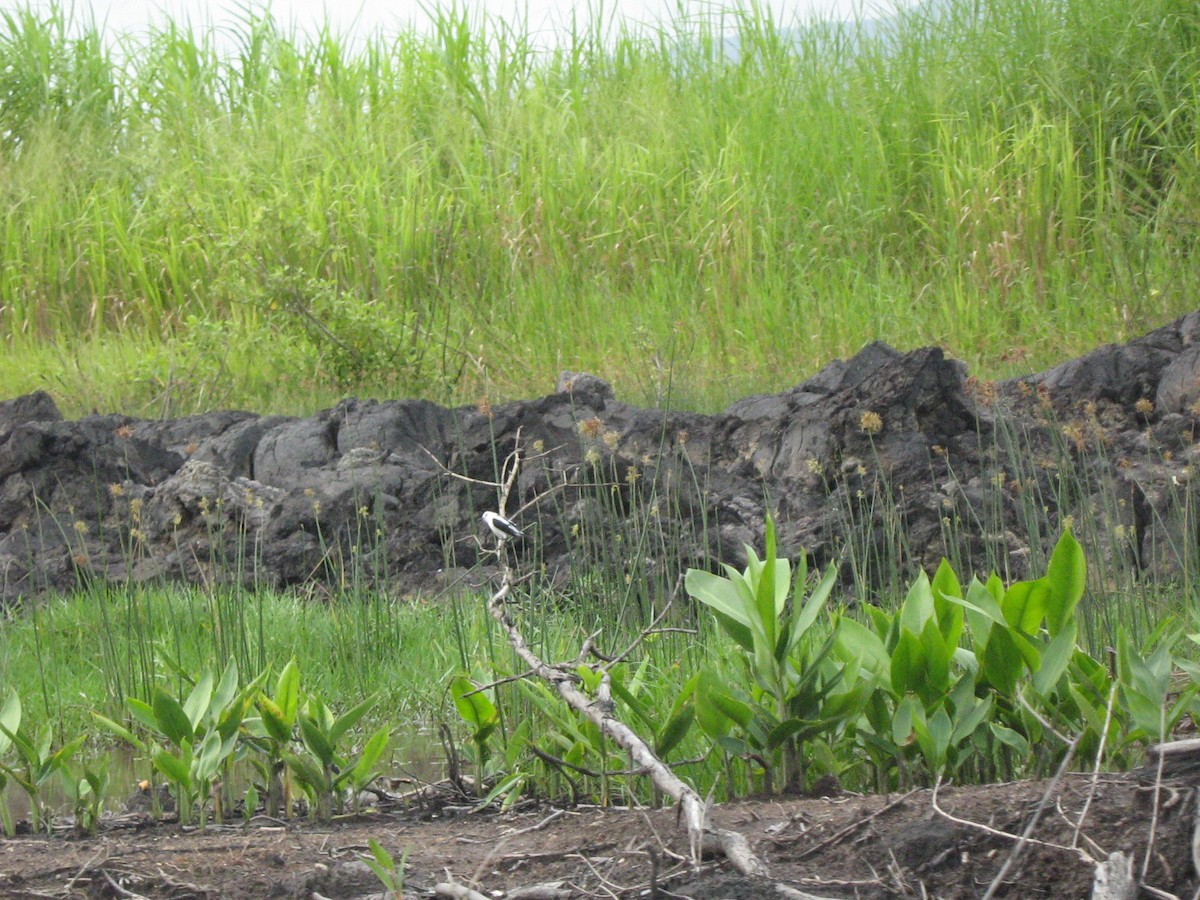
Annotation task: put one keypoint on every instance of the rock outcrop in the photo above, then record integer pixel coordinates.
(883, 463)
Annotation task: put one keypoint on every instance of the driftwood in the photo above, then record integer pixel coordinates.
(733, 845)
(701, 835)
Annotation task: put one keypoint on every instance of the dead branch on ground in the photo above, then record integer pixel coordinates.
(702, 836)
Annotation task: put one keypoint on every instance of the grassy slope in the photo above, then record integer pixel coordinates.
(461, 216)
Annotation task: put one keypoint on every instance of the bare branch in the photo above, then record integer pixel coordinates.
(694, 809)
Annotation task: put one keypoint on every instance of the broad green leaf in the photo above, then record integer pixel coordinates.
(716, 697)
(274, 720)
(306, 771)
(725, 600)
(794, 728)
(1024, 605)
(287, 693)
(966, 723)
(65, 752)
(144, 714)
(945, 584)
(734, 746)
(1066, 576)
(119, 730)
(317, 741)
(10, 718)
(675, 731)
(1011, 738)
(45, 738)
(917, 608)
(768, 603)
(711, 719)
(172, 722)
(364, 767)
(1055, 659)
(936, 657)
(908, 710)
(24, 746)
(381, 856)
(229, 719)
(811, 609)
(849, 703)
(908, 664)
(940, 731)
(721, 594)
(226, 689)
(209, 757)
(856, 641)
(250, 803)
(577, 753)
(590, 678)
(512, 782)
(350, 718)
(1191, 669)
(476, 709)
(638, 681)
(640, 711)
(1002, 663)
(887, 627)
(685, 694)
(995, 587)
(767, 667)
(197, 702)
(1146, 712)
(983, 612)
(518, 740)
(967, 660)
(173, 767)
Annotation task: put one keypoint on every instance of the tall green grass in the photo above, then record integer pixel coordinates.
(464, 213)
(92, 649)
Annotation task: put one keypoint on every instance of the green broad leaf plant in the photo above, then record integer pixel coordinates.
(194, 741)
(36, 762)
(979, 674)
(272, 732)
(325, 767)
(793, 689)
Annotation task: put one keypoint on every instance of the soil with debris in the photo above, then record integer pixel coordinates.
(905, 845)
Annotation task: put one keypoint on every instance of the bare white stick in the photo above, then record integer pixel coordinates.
(1158, 775)
(1112, 696)
(734, 846)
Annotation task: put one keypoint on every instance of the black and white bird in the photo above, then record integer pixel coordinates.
(501, 527)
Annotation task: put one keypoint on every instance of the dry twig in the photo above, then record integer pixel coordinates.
(854, 826)
(996, 832)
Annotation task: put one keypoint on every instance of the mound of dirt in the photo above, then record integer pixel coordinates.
(847, 846)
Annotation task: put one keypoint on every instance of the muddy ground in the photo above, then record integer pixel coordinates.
(837, 847)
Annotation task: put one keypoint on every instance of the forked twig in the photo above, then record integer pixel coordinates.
(855, 825)
(1008, 835)
(1033, 820)
(648, 630)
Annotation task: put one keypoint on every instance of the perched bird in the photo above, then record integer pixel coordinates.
(501, 527)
